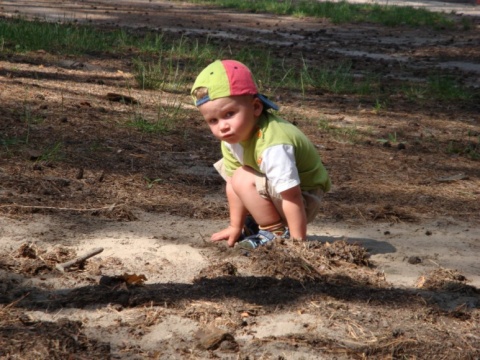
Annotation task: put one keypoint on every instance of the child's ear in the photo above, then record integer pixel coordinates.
(257, 106)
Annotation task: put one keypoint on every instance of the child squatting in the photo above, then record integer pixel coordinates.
(274, 176)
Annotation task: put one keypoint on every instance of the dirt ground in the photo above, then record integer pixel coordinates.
(391, 270)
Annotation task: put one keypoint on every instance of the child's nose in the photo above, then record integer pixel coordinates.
(224, 125)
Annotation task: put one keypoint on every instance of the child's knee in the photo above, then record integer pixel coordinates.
(243, 179)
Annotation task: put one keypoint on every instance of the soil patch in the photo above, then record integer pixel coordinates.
(391, 266)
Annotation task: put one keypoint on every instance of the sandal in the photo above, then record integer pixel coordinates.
(261, 238)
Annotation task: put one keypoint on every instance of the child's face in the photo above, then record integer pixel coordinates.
(232, 119)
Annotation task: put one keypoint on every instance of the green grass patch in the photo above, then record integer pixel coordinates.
(336, 79)
(52, 153)
(162, 74)
(447, 88)
(171, 64)
(469, 149)
(342, 12)
(438, 87)
(8, 144)
(342, 134)
(169, 116)
(169, 68)
(20, 35)
(145, 125)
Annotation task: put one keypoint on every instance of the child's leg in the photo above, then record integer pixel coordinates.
(262, 209)
(271, 225)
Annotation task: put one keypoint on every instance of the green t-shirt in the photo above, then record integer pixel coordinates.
(282, 152)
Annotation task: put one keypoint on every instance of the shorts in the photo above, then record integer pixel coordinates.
(312, 199)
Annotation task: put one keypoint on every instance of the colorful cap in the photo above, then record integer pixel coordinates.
(224, 78)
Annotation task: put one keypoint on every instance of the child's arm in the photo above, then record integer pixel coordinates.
(238, 212)
(294, 211)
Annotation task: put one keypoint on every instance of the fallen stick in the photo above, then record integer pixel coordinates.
(63, 266)
(110, 207)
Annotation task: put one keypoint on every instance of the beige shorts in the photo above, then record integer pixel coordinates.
(312, 199)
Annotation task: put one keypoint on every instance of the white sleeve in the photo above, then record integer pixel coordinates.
(279, 166)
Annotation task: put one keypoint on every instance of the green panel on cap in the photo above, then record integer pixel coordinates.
(214, 78)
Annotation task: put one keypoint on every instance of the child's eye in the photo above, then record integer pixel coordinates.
(229, 114)
(212, 121)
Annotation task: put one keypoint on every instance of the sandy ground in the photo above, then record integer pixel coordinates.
(175, 249)
(171, 251)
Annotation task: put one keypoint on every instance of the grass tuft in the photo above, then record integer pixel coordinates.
(343, 12)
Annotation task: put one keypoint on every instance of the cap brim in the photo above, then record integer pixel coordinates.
(267, 103)
(202, 101)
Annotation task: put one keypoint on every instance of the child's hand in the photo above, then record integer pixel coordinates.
(231, 234)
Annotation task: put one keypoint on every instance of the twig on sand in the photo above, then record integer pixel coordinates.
(80, 259)
(110, 207)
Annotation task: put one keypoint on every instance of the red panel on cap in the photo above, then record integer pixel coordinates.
(240, 78)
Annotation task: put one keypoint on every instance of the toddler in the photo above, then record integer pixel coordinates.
(274, 176)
